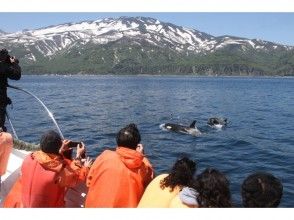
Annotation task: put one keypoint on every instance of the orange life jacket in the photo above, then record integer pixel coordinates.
(118, 179)
(13, 198)
(6, 144)
(44, 181)
(39, 186)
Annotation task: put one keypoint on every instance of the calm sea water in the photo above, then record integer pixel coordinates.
(260, 111)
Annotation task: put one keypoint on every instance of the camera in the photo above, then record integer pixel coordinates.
(74, 144)
(6, 58)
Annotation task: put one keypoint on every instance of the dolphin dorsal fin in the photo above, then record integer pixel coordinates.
(192, 125)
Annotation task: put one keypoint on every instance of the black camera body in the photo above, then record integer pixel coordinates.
(7, 60)
(73, 144)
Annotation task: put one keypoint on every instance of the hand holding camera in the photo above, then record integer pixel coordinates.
(64, 147)
(13, 60)
(67, 149)
(4, 56)
(81, 153)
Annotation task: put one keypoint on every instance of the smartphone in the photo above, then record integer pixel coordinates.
(68, 154)
(83, 155)
(74, 144)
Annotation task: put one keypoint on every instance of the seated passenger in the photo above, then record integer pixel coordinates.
(212, 189)
(46, 174)
(187, 198)
(261, 190)
(162, 191)
(118, 178)
(6, 144)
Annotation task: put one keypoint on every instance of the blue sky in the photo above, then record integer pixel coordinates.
(275, 27)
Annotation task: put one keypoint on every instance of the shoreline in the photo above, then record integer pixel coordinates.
(158, 75)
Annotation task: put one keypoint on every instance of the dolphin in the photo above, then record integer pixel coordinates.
(217, 122)
(192, 129)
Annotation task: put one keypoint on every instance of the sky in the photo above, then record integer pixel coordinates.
(275, 27)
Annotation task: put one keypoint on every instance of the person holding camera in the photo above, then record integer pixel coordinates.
(9, 69)
(46, 175)
(118, 178)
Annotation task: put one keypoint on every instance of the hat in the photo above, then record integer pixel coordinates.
(50, 142)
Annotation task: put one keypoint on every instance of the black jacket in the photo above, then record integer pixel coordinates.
(11, 71)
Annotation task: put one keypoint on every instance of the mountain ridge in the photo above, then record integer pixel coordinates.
(134, 43)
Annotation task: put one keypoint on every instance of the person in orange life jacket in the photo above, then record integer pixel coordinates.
(163, 190)
(118, 178)
(9, 68)
(46, 174)
(6, 144)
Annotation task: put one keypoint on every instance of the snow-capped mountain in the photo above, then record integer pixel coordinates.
(144, 34)
(52, 39)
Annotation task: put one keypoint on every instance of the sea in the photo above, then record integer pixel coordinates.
(260, 112)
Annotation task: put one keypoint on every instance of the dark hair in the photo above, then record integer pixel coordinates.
(50, 142)
(181, 174)
(128, 136)
(4, 56)
(213, 189)
(261, 190)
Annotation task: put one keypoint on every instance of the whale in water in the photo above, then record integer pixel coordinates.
(192, 129)
(217, 123)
